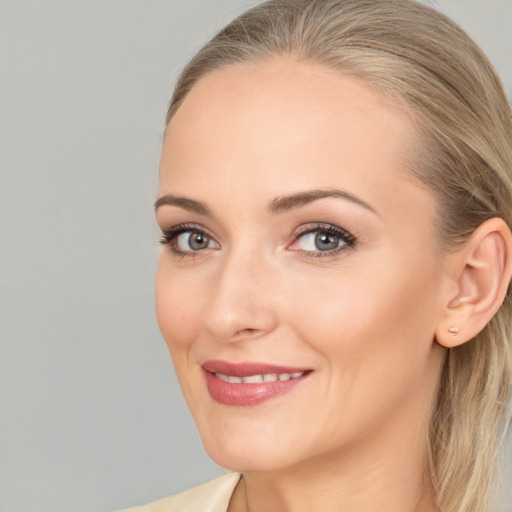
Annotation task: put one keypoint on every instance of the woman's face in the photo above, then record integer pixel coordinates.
(300, 286)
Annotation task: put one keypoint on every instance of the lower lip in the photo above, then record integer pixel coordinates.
(248, 394)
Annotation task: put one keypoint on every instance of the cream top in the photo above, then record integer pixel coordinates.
(213, 496)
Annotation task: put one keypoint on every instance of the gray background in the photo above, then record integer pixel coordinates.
(91, 417)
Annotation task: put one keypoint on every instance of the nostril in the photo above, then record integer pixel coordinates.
(247, 333)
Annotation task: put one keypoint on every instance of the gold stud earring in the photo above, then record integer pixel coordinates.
(454, 330)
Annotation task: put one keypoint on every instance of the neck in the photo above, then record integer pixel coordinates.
(375, 476)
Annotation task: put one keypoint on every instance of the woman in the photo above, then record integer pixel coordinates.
(335, 203)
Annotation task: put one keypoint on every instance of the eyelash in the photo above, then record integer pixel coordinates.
(169, 238)
(348, 239)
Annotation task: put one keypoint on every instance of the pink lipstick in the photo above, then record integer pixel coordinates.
(247, 384)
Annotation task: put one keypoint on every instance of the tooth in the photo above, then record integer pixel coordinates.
(257, 379)
(252, 379)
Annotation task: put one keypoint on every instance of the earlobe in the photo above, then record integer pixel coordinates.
(481, 273)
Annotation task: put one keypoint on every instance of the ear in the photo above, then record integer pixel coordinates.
(480, 273)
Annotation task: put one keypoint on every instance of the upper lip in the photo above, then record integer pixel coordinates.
(245, 369)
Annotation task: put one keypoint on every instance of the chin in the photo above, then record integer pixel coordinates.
(248, 452)
(248, 461)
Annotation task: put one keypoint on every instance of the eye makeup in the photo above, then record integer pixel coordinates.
(312, 240)
(171, 238)
(328, 241)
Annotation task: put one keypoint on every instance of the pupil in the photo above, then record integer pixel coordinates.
(325, 242)
(198, 241)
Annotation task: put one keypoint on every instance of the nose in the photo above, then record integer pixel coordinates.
(241, 305)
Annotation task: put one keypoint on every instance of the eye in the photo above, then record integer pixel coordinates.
(186, 240)
(322, 240)
(194, 241)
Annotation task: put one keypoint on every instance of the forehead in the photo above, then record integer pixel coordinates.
(285, 89)
(279, 124)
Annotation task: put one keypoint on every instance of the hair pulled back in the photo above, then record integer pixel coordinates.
(462, 151)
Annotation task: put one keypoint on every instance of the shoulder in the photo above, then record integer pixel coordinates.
(212, 496)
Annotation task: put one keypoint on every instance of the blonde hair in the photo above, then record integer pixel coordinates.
(463, 152)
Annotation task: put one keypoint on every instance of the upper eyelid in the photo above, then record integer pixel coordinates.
(186, 226)
(319, 226)
(168, 227)
(174, 231)
(304, 229)
(324, 226)
(300, 230)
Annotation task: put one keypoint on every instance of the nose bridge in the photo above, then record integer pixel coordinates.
(241, 303)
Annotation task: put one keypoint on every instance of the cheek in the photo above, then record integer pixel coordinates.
(374, 335)
(177, 308)
(385, 311)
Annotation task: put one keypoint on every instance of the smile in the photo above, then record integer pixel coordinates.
(257, 379)
(249, 384)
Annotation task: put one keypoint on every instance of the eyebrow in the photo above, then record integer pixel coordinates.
(183, 202)
(290, 202)
(278, 205)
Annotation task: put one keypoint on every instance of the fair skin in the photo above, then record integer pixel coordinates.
(351, 435)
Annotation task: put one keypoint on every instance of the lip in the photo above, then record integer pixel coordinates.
(245, 394)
